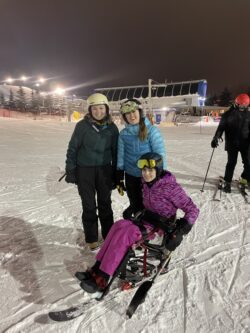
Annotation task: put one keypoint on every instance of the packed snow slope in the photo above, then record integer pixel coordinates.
(42, 244)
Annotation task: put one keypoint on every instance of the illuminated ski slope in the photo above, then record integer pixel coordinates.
(42, 244)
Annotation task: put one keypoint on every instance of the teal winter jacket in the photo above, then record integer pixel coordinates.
(92, 145)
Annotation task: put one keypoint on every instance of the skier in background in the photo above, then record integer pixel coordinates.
(162, 197)
(91, 164)
(138, 137)
(236, 124)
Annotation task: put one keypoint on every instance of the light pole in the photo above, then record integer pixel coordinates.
(201, 102)
(60, 92)
(150, 96)
(43, 96)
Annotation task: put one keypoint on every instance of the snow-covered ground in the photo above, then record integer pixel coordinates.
(41, 242)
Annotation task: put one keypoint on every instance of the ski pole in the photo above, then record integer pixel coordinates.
(62, 177)
(207, 170)
(142, 291)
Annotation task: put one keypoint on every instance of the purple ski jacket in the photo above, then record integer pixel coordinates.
(166, 196)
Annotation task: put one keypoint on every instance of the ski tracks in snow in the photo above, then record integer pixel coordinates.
(237, 260)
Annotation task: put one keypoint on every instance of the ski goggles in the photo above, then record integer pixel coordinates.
(129, 106)
(146, 164)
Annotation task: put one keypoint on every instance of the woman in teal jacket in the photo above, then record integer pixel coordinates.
(137, 138)
(91, 164)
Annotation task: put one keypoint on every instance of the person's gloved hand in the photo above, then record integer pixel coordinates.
(137, 218)
(121, 188)
(158, 221)
(174, 240)
(183, 226)
(215, 142)
(176, 237)
(120, 182)
(71, 177)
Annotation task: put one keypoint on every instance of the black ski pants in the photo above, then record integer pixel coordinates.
(134, 193)
(232, 156)
(95, 184)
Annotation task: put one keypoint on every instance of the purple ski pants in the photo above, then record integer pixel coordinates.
(121, 236)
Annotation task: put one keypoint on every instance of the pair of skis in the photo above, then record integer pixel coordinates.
(219, 189)
(138, 298)
(243, 192)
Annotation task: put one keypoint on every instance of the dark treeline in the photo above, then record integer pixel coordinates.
(225, 98)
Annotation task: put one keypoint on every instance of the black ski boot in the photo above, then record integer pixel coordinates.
(96, 283)
(88, 275)
(227, 187)
(89, 286)
(83, 275)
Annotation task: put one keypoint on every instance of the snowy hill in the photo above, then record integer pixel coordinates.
(41, 242)
(5, 90)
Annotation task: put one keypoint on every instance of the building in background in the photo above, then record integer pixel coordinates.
(161, 101)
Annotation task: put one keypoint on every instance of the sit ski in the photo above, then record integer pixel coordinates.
(137, 275)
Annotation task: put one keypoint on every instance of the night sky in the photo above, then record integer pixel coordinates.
(116, 43)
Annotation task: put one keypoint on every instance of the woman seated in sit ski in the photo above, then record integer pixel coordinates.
(162, 196)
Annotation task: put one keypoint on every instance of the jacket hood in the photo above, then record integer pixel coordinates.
(105, 121)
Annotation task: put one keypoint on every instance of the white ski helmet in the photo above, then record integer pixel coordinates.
(97, 99)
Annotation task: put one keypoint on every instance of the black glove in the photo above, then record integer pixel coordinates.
(174, 240)
(215, 142)
(120, 182)
(161, 222)
(176, 237)
(138, 217)
(183, 226)
(71, 177)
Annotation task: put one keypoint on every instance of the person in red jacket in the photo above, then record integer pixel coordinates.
(236, 125)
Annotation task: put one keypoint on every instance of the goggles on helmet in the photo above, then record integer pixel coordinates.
(129, 106)
(146, 164)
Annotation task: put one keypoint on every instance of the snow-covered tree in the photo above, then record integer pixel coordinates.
(48, 102)
(12, 103)
(2, 99)
(21, 100)
(212, 100)
(34, 101)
